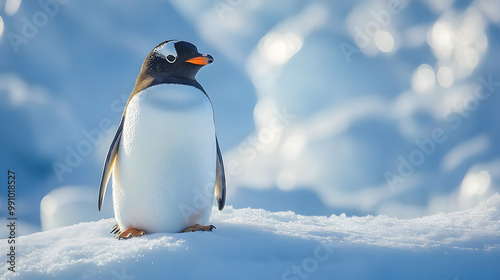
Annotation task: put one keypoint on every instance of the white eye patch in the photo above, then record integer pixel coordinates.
(167, 50)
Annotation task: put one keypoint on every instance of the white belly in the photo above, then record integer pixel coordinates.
(164, 177)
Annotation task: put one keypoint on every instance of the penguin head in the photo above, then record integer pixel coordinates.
(177, 59)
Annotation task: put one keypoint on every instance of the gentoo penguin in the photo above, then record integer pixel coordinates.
(165, 157)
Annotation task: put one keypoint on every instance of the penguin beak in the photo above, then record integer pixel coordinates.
(201, 60)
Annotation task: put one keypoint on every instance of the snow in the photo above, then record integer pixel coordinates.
(259, 244)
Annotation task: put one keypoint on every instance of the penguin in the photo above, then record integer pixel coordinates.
(165, 157)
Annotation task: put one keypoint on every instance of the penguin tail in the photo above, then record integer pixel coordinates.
(115, 229)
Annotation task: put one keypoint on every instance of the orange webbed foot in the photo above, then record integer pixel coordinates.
(129, 233)
(197, 227)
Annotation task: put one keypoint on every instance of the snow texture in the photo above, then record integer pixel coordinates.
(258, 244)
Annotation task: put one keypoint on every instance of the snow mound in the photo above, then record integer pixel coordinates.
(258, 244)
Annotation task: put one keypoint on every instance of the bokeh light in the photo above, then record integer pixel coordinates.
(12, 6)
(445, 76)
(279, 48)
(384, 41)
(475, 184)
(1, 26)
(423, 79)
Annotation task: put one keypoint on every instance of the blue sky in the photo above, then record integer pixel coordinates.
(317, 103)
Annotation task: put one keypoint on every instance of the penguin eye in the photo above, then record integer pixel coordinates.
(171, 58)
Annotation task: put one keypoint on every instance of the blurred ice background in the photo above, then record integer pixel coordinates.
(322, 107)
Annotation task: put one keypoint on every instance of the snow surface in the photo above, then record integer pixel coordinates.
(258, 244)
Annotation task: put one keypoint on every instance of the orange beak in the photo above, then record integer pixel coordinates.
(201, 60)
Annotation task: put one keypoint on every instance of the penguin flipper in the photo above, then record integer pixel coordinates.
(220, 180)
(109, 163)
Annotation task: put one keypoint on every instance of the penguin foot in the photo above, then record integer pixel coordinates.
(129, 233)
(197, 227)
